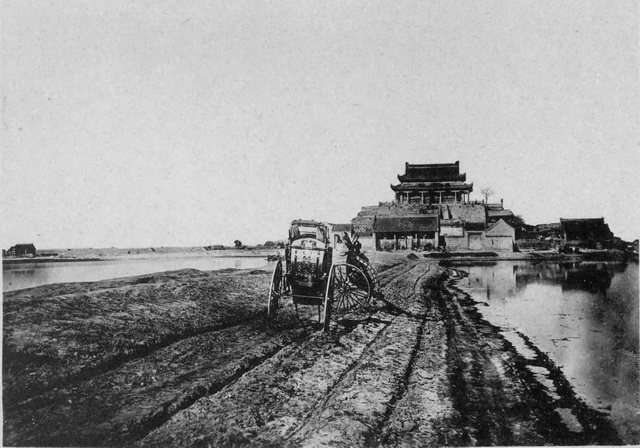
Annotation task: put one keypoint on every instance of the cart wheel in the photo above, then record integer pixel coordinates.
(351, 289)
(275, 291)
(328, 303)
(371, 275)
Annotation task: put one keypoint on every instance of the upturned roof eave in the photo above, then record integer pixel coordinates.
(416, 186)
(425, 178)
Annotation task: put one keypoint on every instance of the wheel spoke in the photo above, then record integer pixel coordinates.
(345, 302)
(350, 288)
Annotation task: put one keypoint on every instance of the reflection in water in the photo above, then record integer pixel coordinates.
(505, 278)
(590, 277)
(584, 315)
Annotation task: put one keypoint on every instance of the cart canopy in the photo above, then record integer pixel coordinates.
(309, 229)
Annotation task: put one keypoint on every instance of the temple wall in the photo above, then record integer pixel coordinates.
(467, 212)
(456, 242)
(499, 243)
(480, 242)
(452, 231)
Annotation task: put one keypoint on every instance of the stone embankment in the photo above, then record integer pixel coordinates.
(187, 359)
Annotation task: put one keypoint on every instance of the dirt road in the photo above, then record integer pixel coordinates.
(187, 359)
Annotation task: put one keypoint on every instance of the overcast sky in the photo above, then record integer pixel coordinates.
(159, 123)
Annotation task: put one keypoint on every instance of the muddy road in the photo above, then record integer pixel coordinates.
(187, 358)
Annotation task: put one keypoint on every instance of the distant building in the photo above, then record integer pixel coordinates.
(591, 233)
(550, 230)
(405, 232)
(463, 226)
(22, 250)
(439, 183)
(496, 212)
(500, 236)
(214, 247)
(435, 196)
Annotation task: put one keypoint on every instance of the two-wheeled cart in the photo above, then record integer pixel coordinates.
(309, 275)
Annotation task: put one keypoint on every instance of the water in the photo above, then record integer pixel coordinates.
(27, 275)
(583, 315)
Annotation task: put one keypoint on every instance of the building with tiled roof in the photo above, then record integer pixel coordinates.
(406, 232)
(439, 183)
(429, 194)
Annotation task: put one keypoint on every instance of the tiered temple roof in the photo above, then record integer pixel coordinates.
(435, 172)
(432, 183)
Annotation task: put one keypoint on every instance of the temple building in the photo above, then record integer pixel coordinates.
(417, 232)
(428, 184)
(432, 210)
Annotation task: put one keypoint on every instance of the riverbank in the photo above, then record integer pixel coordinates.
(592, 255)
(87, 255)
(186, 358)
(582, 316)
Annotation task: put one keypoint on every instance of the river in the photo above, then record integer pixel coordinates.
(28, 275)
(583, 315)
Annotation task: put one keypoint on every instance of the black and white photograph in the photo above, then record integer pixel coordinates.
(276, 223)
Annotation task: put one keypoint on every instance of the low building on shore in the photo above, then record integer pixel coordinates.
(419, 232)
(463, 226)
(457, 235)
(588, 233)
(22, 250)
(500, 236)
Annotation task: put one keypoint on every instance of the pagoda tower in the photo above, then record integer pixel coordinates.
(439, 183)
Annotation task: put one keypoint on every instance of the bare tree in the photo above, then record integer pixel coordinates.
(487, 192)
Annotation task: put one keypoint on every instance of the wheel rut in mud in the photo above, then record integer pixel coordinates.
(120, 402)
(124, 403)
(438, 375)
(334, 388)
(51, 341)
